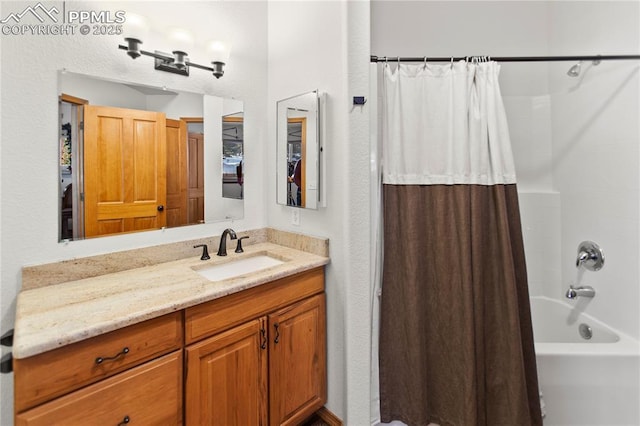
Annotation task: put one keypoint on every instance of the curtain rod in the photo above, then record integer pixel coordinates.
(507, 58)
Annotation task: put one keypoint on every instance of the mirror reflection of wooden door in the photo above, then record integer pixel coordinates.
(196, 177)
(124, 170)
(176, 173)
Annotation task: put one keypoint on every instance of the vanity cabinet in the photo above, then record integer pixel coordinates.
(264, 362)
(253, 357)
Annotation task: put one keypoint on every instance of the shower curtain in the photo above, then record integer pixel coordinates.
(456, 344)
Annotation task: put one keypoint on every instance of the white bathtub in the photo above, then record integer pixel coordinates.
(593, 382)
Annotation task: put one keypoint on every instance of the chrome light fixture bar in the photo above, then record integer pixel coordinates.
(178, 63)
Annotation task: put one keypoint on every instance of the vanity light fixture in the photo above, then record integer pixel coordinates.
(177, 62)
(137, 29)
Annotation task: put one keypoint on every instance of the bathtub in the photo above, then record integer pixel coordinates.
(584, 382)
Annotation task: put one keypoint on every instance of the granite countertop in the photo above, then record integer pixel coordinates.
(57, 315)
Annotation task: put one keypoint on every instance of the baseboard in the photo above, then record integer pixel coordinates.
(328, 417)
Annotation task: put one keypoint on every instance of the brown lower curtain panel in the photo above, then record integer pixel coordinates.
(456, 343)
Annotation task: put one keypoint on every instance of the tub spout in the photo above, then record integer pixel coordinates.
(575, 292)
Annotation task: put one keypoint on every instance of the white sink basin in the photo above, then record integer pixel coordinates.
(235, 268)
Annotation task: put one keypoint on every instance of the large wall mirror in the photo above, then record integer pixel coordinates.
(136, 158)
(299, 151)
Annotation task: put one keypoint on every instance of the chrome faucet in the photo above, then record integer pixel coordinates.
(222, 249)
(574, 292)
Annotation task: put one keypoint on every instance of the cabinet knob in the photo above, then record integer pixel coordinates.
(124, 421)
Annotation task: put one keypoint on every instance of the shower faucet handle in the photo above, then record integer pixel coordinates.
(583, 256)
(590, 256)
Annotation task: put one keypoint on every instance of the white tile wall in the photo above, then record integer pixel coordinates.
(540, 213)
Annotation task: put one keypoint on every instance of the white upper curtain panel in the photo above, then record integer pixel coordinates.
(445, 125)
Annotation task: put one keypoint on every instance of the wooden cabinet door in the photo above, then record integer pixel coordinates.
(226, 382)
(124, 170)
(297, 361)
(150, 394)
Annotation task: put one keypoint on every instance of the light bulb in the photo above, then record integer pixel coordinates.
(219, 57)
(135, 30)
(219, 51)
(181, 40)
(136, 27)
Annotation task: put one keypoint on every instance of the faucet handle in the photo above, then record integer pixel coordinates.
(205, 251)
(583, 256)
(239, 246)
(590, 256)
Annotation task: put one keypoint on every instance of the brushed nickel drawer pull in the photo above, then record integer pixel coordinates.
(100, 359)
(124, 421)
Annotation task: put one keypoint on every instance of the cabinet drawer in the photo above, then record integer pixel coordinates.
(221, 314)
(150, 394)
(43, 377)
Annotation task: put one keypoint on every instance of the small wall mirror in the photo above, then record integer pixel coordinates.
(136, 158)
(299, 151)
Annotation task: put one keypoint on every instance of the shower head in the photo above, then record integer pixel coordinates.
(574, 71)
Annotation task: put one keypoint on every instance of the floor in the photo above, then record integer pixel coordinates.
(315, 421)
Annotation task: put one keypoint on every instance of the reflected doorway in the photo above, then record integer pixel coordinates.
(233, 156)
(296, 161)
(71, 202)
